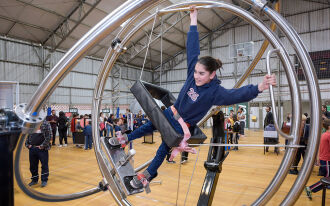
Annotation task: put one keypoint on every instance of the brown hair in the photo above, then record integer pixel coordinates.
(211, 64)
(326, 124)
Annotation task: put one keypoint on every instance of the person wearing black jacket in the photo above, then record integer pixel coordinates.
(38, 144)
(269, 119)
(62, 124)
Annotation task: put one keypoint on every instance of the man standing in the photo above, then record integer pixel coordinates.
(269, 120)
(325, 112)
(38, 144)
(52, 119)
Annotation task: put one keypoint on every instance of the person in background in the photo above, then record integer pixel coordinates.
(101, 125)
(241, 118)
(88, 132)
(325, 112)
(109, 124)
(231, 121)
(118, 123)
(301, 150)
(323, 159)
(62, 124)
(52, 119)
(236, 129)
(72, 126)
(269, 119)
(38, 144)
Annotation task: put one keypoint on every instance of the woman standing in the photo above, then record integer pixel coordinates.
(62, 124)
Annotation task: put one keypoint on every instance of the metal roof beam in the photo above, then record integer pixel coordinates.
(64, 24)
(50, 11)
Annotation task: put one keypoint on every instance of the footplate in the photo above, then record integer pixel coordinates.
(122, 171)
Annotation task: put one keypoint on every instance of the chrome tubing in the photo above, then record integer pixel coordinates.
(271, 91)
(315, 107)
(216, 109)
(57, 74)
(111, 56)
(295, 93)
(314, 91)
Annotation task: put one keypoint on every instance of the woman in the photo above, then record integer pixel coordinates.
(62, 124)
(200, 92)
(241, 118)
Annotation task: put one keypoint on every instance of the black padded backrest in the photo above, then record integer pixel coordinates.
(158, 119)
(160, 93)
(197, 136)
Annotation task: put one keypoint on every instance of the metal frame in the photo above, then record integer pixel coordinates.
(138, 7)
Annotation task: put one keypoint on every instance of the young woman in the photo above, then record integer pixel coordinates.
(200, 92)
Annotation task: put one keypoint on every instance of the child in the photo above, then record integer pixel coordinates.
(88, 136)
(200, 92)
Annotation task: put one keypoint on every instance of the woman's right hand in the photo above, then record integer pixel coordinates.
(193, 15)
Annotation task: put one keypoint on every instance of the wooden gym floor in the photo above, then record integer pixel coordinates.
(245, 175)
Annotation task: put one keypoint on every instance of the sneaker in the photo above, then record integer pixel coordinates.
(183, 161)
(65, 145)
(308, 192)
(59, 145)
(141, 180)
(293, 172)
(43, 183)
(33, 183)
(120, 139)
(170, 162)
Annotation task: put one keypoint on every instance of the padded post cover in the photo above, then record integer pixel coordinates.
(158, 119)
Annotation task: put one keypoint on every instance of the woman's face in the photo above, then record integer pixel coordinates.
(201, 75)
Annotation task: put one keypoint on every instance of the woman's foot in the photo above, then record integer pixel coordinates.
(141, 180)
(120, 139)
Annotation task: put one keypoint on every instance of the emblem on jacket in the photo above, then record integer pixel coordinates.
(192, 94)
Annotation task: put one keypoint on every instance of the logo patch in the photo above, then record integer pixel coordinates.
(192, 94)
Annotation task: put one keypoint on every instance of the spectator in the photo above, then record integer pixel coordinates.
(38, 144)
(52, 119)
(235, 130)
(241, 118)
(323, 159)
(88, 135)
(118, 122)
(102, 125)
(72, 127)
(301, 150)
(109, 124)
(62, 124)
(269, 120)
(325, 112)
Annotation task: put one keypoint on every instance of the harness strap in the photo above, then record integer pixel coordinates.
(183, 146)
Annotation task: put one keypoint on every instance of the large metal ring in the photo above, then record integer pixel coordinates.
(131, 8)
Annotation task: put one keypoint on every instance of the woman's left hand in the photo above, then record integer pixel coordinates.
(267, 81)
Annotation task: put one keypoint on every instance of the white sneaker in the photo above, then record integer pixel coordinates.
(65, 145)
(59, 145)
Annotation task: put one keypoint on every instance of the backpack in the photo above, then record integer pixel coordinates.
(236, 127)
